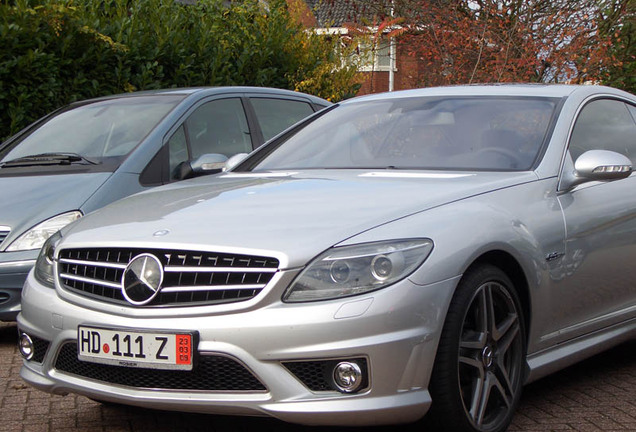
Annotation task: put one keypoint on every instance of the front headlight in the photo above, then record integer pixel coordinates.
(36, 236)
(44, 266)
(350, 270)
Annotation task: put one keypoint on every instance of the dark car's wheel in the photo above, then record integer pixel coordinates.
(478, 371)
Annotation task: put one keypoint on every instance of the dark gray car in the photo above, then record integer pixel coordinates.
(94, 152)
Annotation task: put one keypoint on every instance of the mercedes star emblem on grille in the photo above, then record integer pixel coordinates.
(142, 279)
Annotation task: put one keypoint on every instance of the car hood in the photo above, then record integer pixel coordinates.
(292, 216)
(28, 200)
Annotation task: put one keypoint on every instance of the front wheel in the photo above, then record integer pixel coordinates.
(478, 371)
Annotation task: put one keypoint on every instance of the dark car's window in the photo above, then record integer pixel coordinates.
(219, 126)
(109, 128)
(177, 150)
(604, 124)
(276, 115)
(632, 110)
(476, 133)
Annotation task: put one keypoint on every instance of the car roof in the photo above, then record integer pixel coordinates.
(210, 91)
(527, 89)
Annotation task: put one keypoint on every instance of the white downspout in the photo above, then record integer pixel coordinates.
(392, 60)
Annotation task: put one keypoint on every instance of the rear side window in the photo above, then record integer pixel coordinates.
(276, 115)
(604, 124)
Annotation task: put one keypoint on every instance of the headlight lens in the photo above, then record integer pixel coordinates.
(36, 236)
(350, 270)
(44, 271)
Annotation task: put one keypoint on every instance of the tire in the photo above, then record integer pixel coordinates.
(479, 366)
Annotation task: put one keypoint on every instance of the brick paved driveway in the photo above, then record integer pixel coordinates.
(596, 395)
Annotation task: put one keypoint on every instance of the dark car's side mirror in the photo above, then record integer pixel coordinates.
(597, 165)
(210, 163)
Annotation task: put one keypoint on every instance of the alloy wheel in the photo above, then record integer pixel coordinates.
(490, 354)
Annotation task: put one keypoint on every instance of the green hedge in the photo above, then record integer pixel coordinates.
(56, 52)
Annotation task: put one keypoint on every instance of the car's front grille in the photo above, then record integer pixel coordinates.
(4, 232)
(210, 373)
(190, 277)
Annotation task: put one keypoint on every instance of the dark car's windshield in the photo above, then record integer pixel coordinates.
(110, 128)
(471, 133)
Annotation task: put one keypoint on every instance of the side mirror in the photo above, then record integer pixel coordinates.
(234, 161)
(598, 165)
(210, 163)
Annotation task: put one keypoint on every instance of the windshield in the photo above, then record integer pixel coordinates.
(467, 133)
(109, 128)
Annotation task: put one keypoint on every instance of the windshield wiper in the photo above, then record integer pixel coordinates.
(47, 159)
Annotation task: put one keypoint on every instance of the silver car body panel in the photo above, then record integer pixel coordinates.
(567, 246)
(232, 200)
(404, 336)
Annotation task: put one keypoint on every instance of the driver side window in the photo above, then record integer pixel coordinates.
(604, 124)
(219, 126)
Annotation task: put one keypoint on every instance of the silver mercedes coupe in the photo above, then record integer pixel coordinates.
(426, 251)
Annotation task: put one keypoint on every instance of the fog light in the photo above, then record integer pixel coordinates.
(347, 376)
(26, 346)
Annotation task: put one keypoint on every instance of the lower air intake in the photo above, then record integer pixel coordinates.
(210, 373)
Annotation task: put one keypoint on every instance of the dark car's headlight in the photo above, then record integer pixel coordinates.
(350, 270)
(44, 266)
(36, 236)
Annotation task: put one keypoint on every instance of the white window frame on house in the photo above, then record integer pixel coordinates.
(381, 61)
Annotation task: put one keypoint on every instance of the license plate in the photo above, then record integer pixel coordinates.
(137, 349)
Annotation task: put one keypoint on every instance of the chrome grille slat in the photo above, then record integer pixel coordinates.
(93, 263)
(190, 277)
(210, 288)
(219, 270)
(4, 232)
(92, 281)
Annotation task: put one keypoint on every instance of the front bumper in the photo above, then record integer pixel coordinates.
(395, 329)
(14, 268)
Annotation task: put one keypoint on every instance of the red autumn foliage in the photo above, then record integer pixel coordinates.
(469, 41)
(505, 41)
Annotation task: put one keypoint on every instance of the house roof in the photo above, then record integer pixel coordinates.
(334, 13)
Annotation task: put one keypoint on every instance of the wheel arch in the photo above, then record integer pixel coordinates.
(449, 410)
(513, 269)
